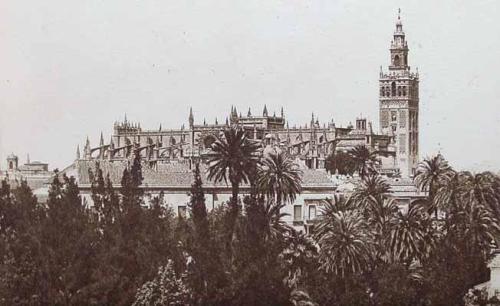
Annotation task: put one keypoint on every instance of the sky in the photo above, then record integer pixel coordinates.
(70, 69)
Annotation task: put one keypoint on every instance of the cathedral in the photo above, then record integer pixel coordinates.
(168, 155)
(396, 144)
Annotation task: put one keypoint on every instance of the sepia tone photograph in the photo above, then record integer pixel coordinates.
(296, 153)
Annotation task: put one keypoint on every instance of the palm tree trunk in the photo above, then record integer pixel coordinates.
(431, 200)
(233, 214)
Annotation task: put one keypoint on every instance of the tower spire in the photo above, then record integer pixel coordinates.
(191, 117)
(264, 112)
(399, 47)
(86, 149)
(78, 152)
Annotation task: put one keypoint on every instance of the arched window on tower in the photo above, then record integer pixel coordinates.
(382, 91)
(393, 89)
(387, 91)
(396, 60)
(404, 91)
(399, 91)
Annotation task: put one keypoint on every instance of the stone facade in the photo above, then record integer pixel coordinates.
(309, 144)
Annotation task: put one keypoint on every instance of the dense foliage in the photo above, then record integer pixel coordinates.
(128, 248)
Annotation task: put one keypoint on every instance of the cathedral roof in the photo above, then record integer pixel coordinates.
(177, 175)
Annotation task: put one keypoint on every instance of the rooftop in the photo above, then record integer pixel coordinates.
(175, 174)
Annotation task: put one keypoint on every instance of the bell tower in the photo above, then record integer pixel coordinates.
(399, 103)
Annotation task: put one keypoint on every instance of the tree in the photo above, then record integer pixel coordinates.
(256, 271)
(299, 257)
(473, 219)
(462, 250)
(481, 189)
(449, 194)
(167, 288)
(364, 160)
(275, 227)
(409, 237)
(279, 178)
(381, 216)
(198, 208)
(68, 240)
(22, 265)
(233, 157)
(372, 185)
(341, 163)
(7, 212)
(205, 270)
(345, 241)
(431, 174)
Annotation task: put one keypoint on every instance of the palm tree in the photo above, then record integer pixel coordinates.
(448, 196)
(364, 159)
(410, 237)
(381, 216)
(475, 215)
(279, 178)
(275, 226)
(341, 163)
(233, 157)
(298, 255)
(372, 185)
(337, 204)
(481, 227)
(344, 240)
(431, 174)
(480, 188)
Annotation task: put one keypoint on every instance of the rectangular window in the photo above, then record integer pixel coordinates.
(181, 211)
(402, 118)
(312, 212)
(402, 143)
(384, 118)
(297, 213)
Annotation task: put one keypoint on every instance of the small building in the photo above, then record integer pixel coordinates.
(490, 290)
(35, 173)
